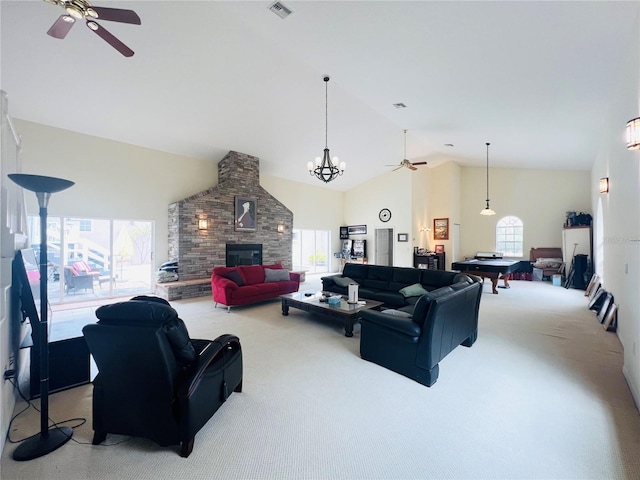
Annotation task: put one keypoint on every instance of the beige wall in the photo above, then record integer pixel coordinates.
(363, 204)
(540, 198)
(444, 201)
(115, 180)
(314, 208)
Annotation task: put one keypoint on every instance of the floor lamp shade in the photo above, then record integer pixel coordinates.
(47, 440)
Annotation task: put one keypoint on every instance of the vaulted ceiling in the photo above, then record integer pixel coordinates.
(535, 79)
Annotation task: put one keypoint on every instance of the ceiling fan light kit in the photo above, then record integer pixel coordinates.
(325, 169)
(82, 9)
(487, 210)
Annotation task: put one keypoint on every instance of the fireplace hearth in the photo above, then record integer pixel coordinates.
(243, 254)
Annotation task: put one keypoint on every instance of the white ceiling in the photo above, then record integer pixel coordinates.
(535, 79)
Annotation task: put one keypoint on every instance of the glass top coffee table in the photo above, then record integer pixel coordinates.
(348, 312)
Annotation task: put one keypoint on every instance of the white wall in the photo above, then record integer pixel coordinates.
(621, 213)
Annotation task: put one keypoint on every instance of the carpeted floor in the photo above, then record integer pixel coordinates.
(540, 395)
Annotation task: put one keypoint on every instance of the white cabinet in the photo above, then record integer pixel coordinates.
(578, 238)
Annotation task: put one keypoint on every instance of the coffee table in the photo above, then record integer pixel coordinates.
(344, 311)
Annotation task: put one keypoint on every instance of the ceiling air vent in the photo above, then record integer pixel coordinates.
(279, 9)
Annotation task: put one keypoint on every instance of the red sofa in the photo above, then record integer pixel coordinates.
(246, 284)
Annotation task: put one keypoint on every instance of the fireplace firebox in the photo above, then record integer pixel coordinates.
(243, 254)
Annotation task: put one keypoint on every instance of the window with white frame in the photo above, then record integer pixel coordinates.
(509, 236)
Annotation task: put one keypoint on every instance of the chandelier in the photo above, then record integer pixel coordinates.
(325, 168)
(487, 210)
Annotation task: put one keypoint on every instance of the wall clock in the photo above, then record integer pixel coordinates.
(385, 215)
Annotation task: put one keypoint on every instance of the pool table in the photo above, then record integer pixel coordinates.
(489, 268)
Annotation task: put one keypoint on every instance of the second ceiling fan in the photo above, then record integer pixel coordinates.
(406, 163)
(83, 10)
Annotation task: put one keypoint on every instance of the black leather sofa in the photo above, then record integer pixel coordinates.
(384, 284)
(413, 340)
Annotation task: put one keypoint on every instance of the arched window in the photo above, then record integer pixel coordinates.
(509, 235)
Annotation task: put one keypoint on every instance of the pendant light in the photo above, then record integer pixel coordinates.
(326, 169)
(487, 210)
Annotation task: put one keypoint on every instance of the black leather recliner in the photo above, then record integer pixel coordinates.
(413, 345)
(153, 380)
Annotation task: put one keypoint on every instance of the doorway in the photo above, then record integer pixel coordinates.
(384, 246)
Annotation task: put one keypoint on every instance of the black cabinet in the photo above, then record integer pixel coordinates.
(69, 358)
(435, 261)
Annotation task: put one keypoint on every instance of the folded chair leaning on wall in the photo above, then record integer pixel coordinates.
(153, 380)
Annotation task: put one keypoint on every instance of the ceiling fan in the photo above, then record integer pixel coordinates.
(82, 9)
(406, 163)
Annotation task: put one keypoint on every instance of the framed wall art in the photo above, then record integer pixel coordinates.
(357, 229)
(439, 249)
(611, 318)
(245, 214)
(441, 229)
(403, 237)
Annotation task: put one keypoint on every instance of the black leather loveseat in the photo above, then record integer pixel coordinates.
(413, 343)
(396, 287)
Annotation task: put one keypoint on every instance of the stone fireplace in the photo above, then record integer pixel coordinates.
(197, 251)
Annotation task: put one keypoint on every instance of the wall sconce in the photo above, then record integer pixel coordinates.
(202, 224)
(425, 229)
(604, 185)
(633, 134)
(280, 228)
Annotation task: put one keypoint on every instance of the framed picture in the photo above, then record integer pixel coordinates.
(593, 289)
(245, 214)
(439, 249)
(403, 237)
(441, 229)
(592, 283)
(357, 230)
(611, 318)
(604, 307)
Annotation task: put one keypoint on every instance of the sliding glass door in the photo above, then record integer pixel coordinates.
(90, 259)
(311, 250)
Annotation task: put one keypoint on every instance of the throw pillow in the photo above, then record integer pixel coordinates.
(344, 281)
(414, 290)
(276, 275)
(236, 277)
(548, 263)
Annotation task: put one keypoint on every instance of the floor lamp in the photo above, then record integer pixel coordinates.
(47, 440)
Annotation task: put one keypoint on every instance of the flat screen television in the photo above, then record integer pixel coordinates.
(27, 282)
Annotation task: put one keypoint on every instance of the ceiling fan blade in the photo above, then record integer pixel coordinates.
(411, 167)
(397, 168)
(61, 26)
(117, 15)
(394, 165)
(109, 38)
(418, 163)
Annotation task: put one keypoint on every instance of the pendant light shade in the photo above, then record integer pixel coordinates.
(325, 168)
(487, 210)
